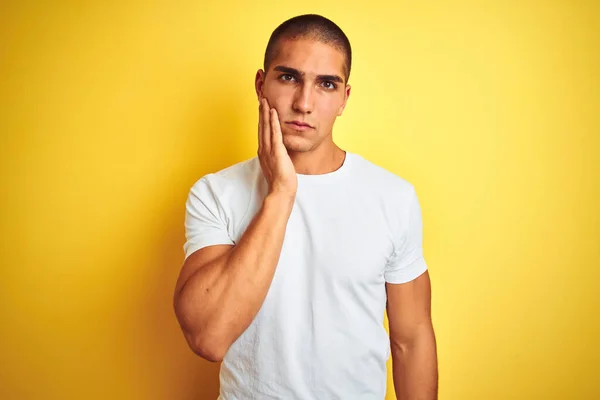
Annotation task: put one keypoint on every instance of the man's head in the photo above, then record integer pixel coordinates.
(305, 78)
(313, 27)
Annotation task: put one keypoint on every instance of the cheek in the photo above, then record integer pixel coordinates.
(329, 110)
(278, 97)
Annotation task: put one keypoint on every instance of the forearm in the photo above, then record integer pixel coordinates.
(414, 367)
(220, 300)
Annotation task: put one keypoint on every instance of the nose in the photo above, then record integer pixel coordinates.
(303, 99)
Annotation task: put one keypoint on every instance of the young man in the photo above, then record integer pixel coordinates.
(292, 256)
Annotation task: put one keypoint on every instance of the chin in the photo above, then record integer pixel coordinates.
(297, 144)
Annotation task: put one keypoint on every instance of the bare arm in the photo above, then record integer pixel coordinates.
(414, 355)
(221, 288)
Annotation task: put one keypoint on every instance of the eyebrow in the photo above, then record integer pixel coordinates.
(293, 71)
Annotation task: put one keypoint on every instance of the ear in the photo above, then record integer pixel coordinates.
(259, 81)
(346, 95)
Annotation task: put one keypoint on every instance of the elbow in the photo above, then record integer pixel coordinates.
(208, 354)
(405, 342)
(205, 343)
(207, 348)
(400, 346)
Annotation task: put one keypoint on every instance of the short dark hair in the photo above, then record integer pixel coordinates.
(310, 26)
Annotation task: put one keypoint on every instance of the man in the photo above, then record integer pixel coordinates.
(291, 255)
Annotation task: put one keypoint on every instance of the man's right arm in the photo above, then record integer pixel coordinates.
(221, 288)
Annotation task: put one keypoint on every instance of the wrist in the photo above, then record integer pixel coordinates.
(280, 198)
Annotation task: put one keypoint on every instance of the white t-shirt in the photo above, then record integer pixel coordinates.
(319, 333)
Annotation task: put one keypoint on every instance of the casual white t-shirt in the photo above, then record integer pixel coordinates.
(319, 333)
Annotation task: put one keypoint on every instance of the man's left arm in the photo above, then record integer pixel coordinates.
(413, 344)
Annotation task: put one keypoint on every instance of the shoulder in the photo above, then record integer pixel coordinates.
(380, 180)
(396, 197)
(229, 181)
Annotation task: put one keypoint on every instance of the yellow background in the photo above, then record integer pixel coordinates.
(110, 111)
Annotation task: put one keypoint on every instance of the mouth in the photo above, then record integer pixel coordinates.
(298, 125)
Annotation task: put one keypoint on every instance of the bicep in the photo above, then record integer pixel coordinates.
(207, 236)
(408, 308)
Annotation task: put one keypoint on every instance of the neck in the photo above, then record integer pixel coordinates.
(322, 160)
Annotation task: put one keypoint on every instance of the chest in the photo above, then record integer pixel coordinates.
(347, 243)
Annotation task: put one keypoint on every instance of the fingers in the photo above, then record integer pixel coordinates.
(266, 126)
(260, 126)
(276, 136)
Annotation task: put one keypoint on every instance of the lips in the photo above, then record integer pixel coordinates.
(298, 125)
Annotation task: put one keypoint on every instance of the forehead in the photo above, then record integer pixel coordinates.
(309, 56)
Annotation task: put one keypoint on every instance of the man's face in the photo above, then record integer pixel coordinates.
(306, 84)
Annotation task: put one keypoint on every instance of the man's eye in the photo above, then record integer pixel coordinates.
(287, 77)
(329, 85)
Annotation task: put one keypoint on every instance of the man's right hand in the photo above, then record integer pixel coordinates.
(275, 161)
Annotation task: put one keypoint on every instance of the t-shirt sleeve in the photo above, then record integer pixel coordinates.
(407, 261)
(205, 223)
